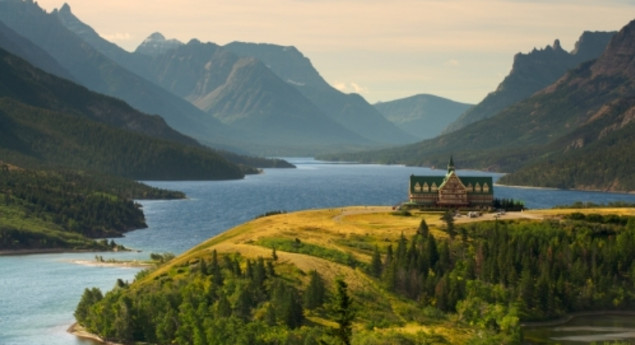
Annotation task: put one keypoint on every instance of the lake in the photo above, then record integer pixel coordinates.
(38, 293)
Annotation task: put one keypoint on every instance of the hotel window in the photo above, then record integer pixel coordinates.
(485, 188)
(477, 187)
(426, 188)
(434, 187)
(417, 187)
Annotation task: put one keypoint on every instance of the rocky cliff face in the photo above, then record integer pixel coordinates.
(619, 56)
(532, 72)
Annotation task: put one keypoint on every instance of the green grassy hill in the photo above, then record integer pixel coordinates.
(409, 278)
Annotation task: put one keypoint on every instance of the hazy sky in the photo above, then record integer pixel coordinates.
(384, 50)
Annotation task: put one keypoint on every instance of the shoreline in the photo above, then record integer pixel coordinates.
(34, 251)
(79, 331)
(568, 317)
(125, 264)
(17, 252)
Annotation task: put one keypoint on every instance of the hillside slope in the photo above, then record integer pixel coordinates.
(62, 210)
(48, 121)
(423, 116)
(407, 279)
(99, 73)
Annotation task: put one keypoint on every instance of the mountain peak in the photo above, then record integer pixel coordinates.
(156, 44)
(65, 8)
(157, 36)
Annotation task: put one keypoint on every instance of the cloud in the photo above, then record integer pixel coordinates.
(348, 87)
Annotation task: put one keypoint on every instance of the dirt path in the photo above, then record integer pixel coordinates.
(355, 210)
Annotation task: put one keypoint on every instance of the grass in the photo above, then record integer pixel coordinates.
(328, 240)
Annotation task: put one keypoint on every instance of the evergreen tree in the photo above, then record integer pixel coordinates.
(315, 292)
(343, 312)
(376, 264)
(90, 297)
(448, 218)
(423, 229)
(292, 312)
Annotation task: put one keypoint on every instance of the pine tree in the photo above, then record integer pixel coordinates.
(375, 263)
(343, 312)
(315, 292)
(423, 229)
(89, 298)
(448, 217)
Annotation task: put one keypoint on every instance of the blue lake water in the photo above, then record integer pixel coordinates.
(38, 293)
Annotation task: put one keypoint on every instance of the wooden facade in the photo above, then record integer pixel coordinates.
(451, 190)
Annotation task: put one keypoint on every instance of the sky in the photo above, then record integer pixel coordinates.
(383, 50)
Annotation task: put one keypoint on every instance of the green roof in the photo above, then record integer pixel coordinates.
(466, 180)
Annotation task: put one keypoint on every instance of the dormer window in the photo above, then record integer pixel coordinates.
(417, 187)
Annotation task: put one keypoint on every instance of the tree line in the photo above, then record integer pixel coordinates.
(490, 275)
(495, 274)
(38, 205)
(224, 300)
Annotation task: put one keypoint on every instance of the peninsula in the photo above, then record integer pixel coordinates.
(410, 277)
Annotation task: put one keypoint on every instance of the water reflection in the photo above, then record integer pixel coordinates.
(585, 330)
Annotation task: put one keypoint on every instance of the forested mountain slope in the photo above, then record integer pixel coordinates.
(48, 121)
(99, 73)
(62, 210)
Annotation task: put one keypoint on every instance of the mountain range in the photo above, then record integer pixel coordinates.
(248, 102)
(578, 132)
(269, 100)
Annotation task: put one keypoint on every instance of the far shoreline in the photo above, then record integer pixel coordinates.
(19, 252)
(35, 251)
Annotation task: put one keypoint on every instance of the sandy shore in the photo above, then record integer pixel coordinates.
(95, 263)
(79, 331)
